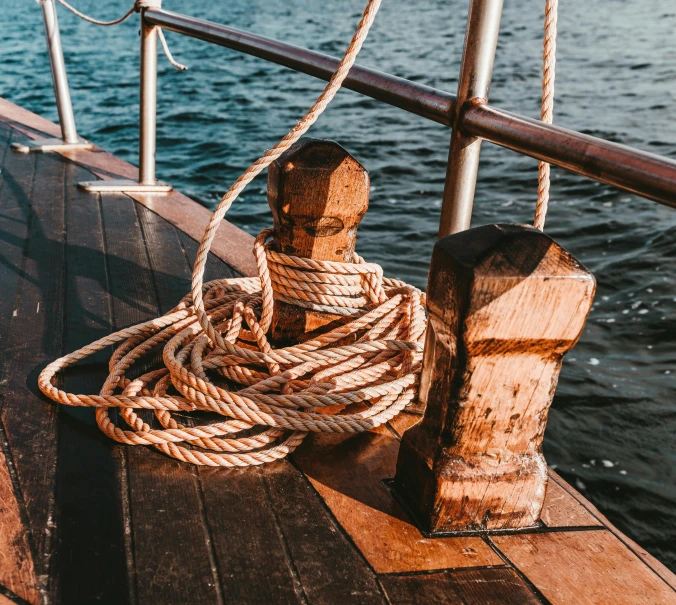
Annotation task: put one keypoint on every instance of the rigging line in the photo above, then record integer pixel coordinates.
(547, 109)
(138, 5)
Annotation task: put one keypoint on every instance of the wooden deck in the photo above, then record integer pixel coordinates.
(83, 520)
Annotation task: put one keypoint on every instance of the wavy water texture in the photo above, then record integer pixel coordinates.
(611, 427)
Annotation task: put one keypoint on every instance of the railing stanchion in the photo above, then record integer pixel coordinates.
(148, 111)
(146, 183)
(69, 138)
(481, 40)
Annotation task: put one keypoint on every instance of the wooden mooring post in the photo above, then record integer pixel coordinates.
(505, 304)
(318, 194)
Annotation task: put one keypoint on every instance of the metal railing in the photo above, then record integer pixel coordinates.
(467, 113)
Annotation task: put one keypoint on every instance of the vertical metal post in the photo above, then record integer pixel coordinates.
(69, 138)
(481, 40)
(59, 77)
(147, 125)
(148, 110)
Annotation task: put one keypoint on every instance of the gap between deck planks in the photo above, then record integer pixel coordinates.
(308, 555)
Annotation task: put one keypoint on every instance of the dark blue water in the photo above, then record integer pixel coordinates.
(612, 424)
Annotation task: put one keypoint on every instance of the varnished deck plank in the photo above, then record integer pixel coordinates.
(116, 524)
(164, 496)
(585, 567)
(348, 471)
(463, 587)
(35, 337)
(17, 572)
(89, 509)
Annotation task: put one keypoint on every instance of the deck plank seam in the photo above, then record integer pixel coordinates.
(427, 572)
(127, 511)
(4, 441)
(51, 580)
(333, 517)
(605, 524)
(3, 381)
(524, 578)
(211, 547)
(11, 596)
(291, 565)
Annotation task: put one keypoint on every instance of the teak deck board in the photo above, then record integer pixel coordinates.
(86, 520)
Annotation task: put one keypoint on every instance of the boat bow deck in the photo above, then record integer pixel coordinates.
(85, 520)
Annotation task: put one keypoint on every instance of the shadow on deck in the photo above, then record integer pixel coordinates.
(85, 520)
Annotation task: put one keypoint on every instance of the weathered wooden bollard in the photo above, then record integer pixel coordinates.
(505, 304)
(318, 194)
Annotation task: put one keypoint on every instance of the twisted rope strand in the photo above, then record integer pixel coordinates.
(217, 357)
(547, 109)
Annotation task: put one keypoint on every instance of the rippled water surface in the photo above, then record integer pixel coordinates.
(611, 427)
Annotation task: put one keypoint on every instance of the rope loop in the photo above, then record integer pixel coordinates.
(217, 359)
(136, 8)
(351, 379)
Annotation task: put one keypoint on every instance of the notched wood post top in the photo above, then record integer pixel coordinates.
(318, 194)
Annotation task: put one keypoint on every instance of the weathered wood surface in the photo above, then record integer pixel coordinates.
(318, 194)
(102, 523)
(505, 304)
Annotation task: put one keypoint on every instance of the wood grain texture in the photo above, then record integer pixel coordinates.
(89, 561)
(231, 244)
(16, 562)
(560, 509)
(505, 304)
(318, 194)
(495, 586)
(348, 472)
(172, 555)
(35, 337)
(589, 567)
(658, 567)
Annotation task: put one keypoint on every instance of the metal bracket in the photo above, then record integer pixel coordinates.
(123, 186)
(46, 145)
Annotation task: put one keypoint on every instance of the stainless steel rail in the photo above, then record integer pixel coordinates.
(648, 175)
(69, 138)
(415, 98)
(476, 72)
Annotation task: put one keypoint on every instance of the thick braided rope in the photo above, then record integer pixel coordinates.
(547, 109)
(353, 378)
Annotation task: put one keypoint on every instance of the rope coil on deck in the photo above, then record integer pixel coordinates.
(351, 379)
(217, 357)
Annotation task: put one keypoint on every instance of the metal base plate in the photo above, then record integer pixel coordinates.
(123, 186)
(45, 145)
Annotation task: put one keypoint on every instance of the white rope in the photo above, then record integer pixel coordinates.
(547, 109)
(138, 6)
(287, 390)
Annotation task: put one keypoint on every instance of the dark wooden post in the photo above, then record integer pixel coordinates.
(505, 304)
(318, 194)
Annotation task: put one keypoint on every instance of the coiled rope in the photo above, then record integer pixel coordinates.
(351, 379)
(547, 108)
(136, 7)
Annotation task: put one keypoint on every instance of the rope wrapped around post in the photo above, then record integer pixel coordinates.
(270, 397)
(283, 393)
